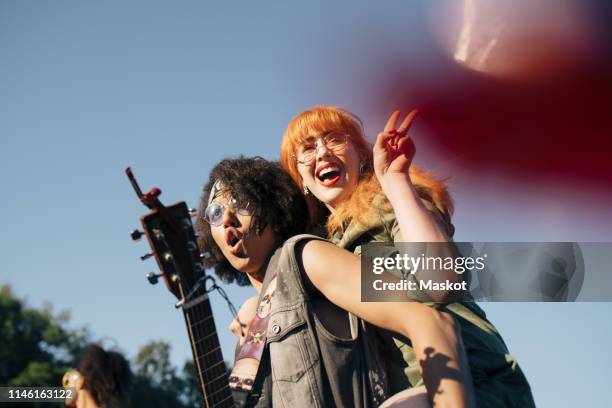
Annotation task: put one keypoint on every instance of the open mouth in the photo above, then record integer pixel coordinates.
(234, 242)
(328, 174)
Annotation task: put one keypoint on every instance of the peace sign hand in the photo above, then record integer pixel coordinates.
(394, 149)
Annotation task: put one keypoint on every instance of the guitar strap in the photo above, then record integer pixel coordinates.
(247, 363)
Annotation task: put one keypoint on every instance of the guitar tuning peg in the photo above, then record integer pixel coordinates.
(136, 235)
(153, 278)
(146, 256)
(193, 212)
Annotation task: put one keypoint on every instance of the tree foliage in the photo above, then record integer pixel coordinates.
(157, 381)
(37, 347)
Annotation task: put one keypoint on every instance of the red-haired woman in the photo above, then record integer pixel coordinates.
(369, 194)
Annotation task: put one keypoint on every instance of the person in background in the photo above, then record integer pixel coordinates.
(102, 379)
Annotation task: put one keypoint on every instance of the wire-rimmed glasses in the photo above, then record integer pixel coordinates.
(215, 210)
(306, 151)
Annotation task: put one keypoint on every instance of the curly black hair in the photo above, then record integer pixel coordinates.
(107, 375)
(275, 198)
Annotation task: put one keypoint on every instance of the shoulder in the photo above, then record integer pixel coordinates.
(295, 250)
(321, 261)
(287, 263)
(385, 228)
(307, 259)
(373, 226)
(290, 245)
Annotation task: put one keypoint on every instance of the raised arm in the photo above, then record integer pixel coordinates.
(393, 154)
(433, 334)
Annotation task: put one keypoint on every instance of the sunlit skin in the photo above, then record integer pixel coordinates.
(242, 247)
(392, 147)
(81, 397)
(72, 379)
(392, 153)
(345, 161)
(247, 311)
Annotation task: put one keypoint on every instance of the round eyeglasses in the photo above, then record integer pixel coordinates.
(70, 378)
(215, 211)
(307, 150)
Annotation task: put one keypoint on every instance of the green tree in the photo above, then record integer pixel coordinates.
(191, 389)
(37, 348)
(157, 379)
(156, 382)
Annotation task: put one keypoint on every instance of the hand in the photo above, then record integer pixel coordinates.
(245, 316)
(394, 149)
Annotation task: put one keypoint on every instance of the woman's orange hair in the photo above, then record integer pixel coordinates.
(358, 207)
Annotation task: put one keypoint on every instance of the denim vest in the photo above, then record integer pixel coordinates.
(304, 365)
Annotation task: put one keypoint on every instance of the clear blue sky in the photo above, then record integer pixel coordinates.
(170, 88)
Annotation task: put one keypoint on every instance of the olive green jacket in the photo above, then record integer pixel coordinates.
(498, 380)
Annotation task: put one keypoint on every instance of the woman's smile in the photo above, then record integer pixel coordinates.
(328, 174)
(332, 175)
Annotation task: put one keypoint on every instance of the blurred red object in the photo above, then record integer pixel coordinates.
(530, 113)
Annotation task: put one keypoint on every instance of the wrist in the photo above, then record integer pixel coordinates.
(397, 185)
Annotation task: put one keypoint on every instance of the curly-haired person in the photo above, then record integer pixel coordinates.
(303, 348)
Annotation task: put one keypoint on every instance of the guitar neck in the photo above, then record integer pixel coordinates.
(207, 355)
(169, 231)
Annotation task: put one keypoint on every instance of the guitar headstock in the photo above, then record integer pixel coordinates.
(174, 247)
(173, 243)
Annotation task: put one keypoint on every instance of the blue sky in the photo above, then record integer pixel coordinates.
(170, 88)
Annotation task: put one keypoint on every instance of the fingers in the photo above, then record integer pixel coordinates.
(392, 136)
(235, 328)
(392, 121)
(406, 146)
(407, 122)
(384, 138)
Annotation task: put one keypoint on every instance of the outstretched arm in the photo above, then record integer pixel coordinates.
(433, 334)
